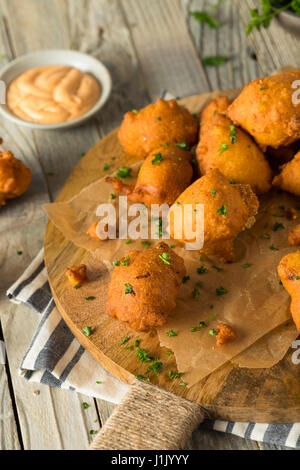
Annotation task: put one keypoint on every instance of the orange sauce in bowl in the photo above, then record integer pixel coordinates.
(52, 94)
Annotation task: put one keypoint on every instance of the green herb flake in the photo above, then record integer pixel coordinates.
(221, 291)
(146, 244)
(175, 375)
(165, 257)
(85, 405)
(124, 340)
(137, 342)
(277, 226)
(106, 167)
(217, 268)
(155, 367)
(273, 248)
(211, 61)
(232, 134)
(201, 270)
(135, 111)
(212, 332)
(246, 265)
(214, 192)
(183, 145)
(91, 297)
(222, 210)
(196, 293)
(157, 158)
(185, 279)
(124, 172)
(128, 242)
(128, 289)
(87, 331)
(98, 382)
(171, 333)
(265, 236)
(204, 17)
(19, 253)
(77, 286)
(223, 148)
(113, 196)
(142, 355)
(143, 378)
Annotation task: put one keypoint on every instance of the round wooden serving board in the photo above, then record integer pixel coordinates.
(230, 393)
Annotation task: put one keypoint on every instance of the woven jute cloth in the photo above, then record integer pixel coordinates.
(149, 418)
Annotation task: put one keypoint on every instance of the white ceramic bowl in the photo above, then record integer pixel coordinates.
(76, 59)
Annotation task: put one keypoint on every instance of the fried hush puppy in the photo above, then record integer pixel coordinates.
(158, 123)
(289, 178)
(163, 176)
(144, 286)
(289, 273)
(76, 274)
(15, 177)
(228, 210)
(225, 334)
(265, 109)
(228, 148)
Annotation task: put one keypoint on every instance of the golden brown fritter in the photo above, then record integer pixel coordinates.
(289, 178)
(228, 148)
(266, 111)
(158, 123)
(217, 106)
(77, 274)
(289, 273)
(294, 236)
(228, 209)
(225, 334)
(144, 286)
(165, 174)
(15, 177)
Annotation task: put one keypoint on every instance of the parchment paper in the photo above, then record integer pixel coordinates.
(255, 305)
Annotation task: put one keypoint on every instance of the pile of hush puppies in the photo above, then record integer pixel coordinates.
(243, 148)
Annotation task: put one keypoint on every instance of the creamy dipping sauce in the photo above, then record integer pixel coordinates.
(52, 94)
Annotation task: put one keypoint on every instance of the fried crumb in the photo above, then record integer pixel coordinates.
(291, 213)
(225, 334)
(294, 236)
(76, 274)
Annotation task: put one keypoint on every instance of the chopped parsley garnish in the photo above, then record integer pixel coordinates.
(19, 253)
(231, 181)
(77, 286)
(217, 268)
(128, 289)
(155, 367)
(135, 111)
(85, 405)
(277, 226)
(222, 210)
(113, 196)
(221, 291)
(165, 257)
(273, 248)
(128, 242)
(142, 355)
(204, 17)
(223, 148)
(175, 375)
(157, 158)
(143, 378)
(87, 331)
(106, 166)
(171, 333)
(125, 261)
(246, 265)
(98, 382)
(158, 118)
(232, 133)
(280, 283)
(125, 340)
(185, 279)
(214, 192)
(183, 145)
(169, 353)
(196, 293)
(266, 236)
(201, 270)
(124, 172)
(213, 332)
(216, 60)
(182, 384)
(136, 342)
(201, 324)
(91, 297)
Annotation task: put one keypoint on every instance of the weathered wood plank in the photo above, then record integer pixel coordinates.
(105, 410)
(274, 47)
(228, 40)
(8, 428)
(165, 50)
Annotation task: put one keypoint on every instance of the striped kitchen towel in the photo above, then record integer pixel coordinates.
(55, 358)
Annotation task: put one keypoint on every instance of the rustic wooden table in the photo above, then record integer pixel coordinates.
(149, 46)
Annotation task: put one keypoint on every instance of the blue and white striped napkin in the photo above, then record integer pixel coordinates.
(55, 358)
